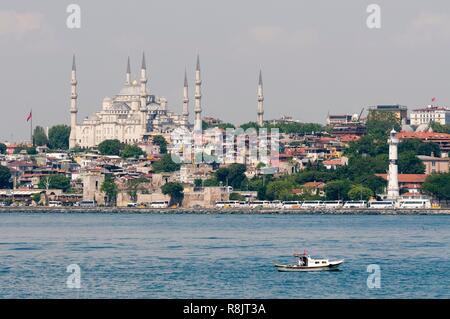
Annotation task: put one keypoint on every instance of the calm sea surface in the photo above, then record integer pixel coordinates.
(220, 256)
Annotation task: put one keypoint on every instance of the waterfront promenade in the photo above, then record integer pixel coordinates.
(341, 211)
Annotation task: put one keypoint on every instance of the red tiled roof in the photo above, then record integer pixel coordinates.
(412, 194)
(423, 135)
(313, 184)
(333, 161)
(407, 178)
(349, 137)
(411, 186)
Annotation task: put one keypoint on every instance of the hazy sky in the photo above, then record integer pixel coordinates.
(316, 56)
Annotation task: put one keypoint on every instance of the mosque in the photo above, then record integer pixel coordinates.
(132, 115)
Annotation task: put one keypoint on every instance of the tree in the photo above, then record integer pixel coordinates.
(58, 137)
(409, 163)
(380, 123)
(210, 182)
(55, 182)
(165, 164)
(233, 175)
(110, 147)
(374, 183)
(438, 185)
(419, 147)
(279, 189)
(222, 174)
(161, 142)
(429, 149)
(224, 126)
(135, 185)
(3, 148)
(39, 136)
(5, 177)
(175, 191)
(198, 182)
(359, 192)
(109, 187)
(28, 150)
(237, 196)
(287, 127)
(338, 189)
(439, 128)
(131, 151)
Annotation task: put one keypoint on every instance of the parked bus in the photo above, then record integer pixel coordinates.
(292, 204)
(311, 204)
(55, 203)
(276, 204)
(382, 204)
(332, 204)
(159, 204)
(259, 204)
(355, 204)
(415, 203)
(88, 203)
(227, 204)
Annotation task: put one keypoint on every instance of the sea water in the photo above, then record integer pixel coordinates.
(132, 255)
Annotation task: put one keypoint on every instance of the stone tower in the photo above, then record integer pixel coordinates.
(392, 188)
(185, 111)
(128, 75)
(260, 111)
(198, 98)
(143, 93)
(73, 105)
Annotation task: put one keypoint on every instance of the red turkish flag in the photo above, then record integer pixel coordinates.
(29, 116)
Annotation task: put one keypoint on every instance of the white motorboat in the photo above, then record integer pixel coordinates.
(306, 263)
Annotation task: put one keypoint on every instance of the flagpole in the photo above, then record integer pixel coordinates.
(31, 128)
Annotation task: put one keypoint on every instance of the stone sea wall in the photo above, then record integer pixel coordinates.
(225, 211)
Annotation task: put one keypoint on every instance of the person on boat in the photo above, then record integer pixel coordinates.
(301, 261)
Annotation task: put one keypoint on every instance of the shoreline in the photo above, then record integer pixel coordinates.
(206, 211)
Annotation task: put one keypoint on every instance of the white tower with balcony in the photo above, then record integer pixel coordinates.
(392, 188)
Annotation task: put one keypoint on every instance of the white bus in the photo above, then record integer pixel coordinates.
(227, 204)
(292, 204)
(382, 204)
(415, 203)
(87, 203)
(242, 204)
(355, 204)
(311, 204)
(159, 204)
(259, 204)
(332, 204)
(55, 203)
(276, 204)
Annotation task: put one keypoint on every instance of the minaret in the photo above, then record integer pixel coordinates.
(260, 118)
(198, 97)
(143, 81)
(128, 76)
(392, 188)
(73, 106)
(185, 102)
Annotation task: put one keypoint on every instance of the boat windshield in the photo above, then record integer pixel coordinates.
(302, 261)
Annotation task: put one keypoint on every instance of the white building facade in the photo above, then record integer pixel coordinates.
(438, 114)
